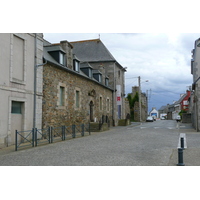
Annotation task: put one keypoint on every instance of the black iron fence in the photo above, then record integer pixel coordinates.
(35, 137)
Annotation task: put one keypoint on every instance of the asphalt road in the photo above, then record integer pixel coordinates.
(148, 144)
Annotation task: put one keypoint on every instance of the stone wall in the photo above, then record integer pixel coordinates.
(68, 114)
(186, 118)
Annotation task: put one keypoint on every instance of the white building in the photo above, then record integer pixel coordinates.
(19, 110)
(153, 113)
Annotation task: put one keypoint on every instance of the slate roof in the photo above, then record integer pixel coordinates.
(162, 108)
(85, 65)
(92, 51)
(51, 60)
(181, 99)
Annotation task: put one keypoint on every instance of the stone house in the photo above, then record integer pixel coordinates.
(73, 91)
(20, 84)
(99, 58)
(144, 105)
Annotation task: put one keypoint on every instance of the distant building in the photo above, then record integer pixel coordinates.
(144, 105)
(162, 112)
(154, 113)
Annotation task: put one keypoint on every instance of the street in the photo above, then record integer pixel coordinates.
(146, 144)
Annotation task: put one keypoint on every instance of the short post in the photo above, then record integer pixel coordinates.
(15, 140)
(182, 143)
(180, 157)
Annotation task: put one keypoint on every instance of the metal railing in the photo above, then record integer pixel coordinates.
(35, 137)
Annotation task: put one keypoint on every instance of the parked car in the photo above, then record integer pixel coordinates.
(178, 118)
(149, 119)
(162, 118)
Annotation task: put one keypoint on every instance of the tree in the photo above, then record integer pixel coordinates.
(132, 101)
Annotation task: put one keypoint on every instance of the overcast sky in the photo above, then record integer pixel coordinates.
(162, 59)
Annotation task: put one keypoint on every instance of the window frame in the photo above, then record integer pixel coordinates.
(13, 107)
(76, 66)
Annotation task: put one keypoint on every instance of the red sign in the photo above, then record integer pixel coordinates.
(118, 98)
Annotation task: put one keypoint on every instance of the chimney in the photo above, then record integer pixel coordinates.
(67, 47)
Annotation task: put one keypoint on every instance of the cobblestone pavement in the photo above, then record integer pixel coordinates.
(146, 144)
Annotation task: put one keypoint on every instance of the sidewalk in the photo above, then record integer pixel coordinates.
(191, 154)
(191, 157)
(7, 150)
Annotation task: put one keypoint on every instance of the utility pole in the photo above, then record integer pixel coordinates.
(140, 106)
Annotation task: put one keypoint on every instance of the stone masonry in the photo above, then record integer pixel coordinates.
(55, 115)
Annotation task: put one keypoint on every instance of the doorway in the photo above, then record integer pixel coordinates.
(91, 111)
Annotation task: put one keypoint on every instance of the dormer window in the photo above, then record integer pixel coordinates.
(97, 75)
(57, 54)
(86, 69)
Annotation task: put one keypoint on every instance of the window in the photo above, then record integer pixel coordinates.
(106, 81)
(76, 66)
(16, 107)
(108, 104)
(18, 59)
(61, 58)
(119, 74)
(77, 99)
(100, 78)
(62, 94)
(90, 72)
(100, 102)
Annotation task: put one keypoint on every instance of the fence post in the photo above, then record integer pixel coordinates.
(63, 132)
(51, 135)
(89, 128)
(82, 133)
(15, 140)
(73, 131)
(36, 137)
(33, 136)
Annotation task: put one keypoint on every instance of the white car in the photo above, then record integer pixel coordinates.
(149, 119)
(178, 118)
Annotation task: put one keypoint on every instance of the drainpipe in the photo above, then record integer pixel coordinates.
(35, 81)
(114, 95)
(35, 74)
